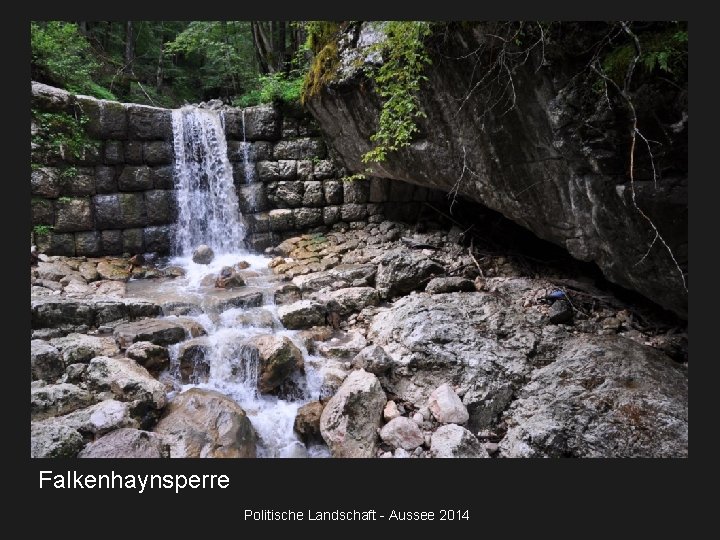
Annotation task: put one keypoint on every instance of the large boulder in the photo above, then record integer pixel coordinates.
(57, 399)
(350, 420)
(81, 348)
(278, 359)
(401, 432)
(602, 397)
(354, 299)
(302, 314)
(126, 443)
(401, 271)
(453, 441)
(152, 357)
(157, 331)
(442, 285)
(126, 380)
(547, 153)
(205, 423)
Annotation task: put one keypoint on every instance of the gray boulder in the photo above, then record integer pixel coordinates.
(401, 432)
(350, 420)
(57, 399)
(401, 272)
(278, 359)
(204, 423)
(446, 407)
(449, 284)
(453, 441)
(302, 314)
(126, 380)
(152, 357)
(602, 397)
(126, 443)
(203, 254)
(45, 361)
(53, 440)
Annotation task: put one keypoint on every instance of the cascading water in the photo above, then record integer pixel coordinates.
(209, 214)
(208, 210)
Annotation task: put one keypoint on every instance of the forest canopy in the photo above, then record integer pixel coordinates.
(168, 63)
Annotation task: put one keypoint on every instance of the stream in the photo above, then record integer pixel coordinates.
(208, 213)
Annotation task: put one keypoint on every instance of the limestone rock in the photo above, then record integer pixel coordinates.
(446, 407)
(453, 441)
(45, 361)
(307, 422)
(350, 420)
(449, 284)
(152, 357)
(302, 314)
(203, 254)
(278, 359)
(126, 380)
(401, 432)
(402, 271)
(57, 399)
(204, 423)
(602, 397)
(126, 443)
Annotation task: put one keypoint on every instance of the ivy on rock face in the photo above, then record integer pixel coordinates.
(397, 82)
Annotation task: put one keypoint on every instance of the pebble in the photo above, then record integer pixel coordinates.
(418, 418)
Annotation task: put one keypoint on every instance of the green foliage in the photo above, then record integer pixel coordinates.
(41, 230)
(61, 133)
(274, 87)
(356, 176)
(322, 37)
(664, 50)
(60, 54)
(397, 82)
(65, 199)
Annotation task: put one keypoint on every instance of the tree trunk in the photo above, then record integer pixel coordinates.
(129, 46)
(159, 71)
(263, 47)
(282, 64)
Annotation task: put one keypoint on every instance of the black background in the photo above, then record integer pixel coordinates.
(512, 498)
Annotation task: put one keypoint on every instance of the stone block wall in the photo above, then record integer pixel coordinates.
(293, 185)
(118, 196)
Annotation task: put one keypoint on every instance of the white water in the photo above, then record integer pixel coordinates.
(209, 214)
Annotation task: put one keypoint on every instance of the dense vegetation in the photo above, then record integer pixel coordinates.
(168, 63)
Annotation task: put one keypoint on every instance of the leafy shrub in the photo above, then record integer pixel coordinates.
(274, 87)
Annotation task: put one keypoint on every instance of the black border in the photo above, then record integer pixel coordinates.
(618, 497)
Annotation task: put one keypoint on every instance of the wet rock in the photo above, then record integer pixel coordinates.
(350, 420)
(449, 284)
(127, 443)
(402, 271)
(203, 254)
(57, 399)
(45, 361)
(287, 294)
(234, 299)
(53, 440)
(229, 279)
(453, 441)
(157, 331)
(343, 345)
(205, 423)
(390, 411)
(446, 407)
(302, 314)
(152, 357)
(278, 359)
(373, 359)
(560, 312)
(193, 357)
(602, 397)
(401, 432)
(307, 422)
(126, 380)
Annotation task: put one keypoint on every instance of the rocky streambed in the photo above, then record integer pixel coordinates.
(374, 341)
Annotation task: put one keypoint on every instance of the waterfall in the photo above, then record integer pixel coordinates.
(208, 210)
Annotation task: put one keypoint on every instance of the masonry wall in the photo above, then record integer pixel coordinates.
(119, 197)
